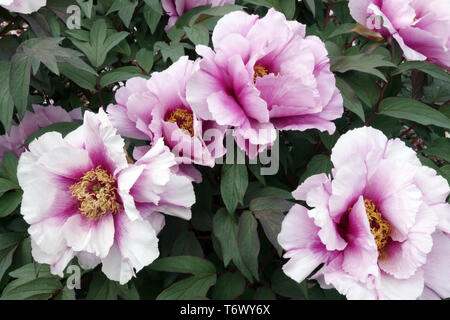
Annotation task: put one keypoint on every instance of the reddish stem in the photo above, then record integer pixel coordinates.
(327, 17)
(380, 98)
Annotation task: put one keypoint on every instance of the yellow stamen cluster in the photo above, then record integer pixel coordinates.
(184, 119)
(260, 71)
(96, 192)
(379, 227)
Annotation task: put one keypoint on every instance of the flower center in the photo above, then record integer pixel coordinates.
(260, 71)
(96, 192)
(184, 119)
(379, 227)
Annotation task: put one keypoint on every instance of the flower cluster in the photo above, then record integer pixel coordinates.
(380, 226)
(254, 81)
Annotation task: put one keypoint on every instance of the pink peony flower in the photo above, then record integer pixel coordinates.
(176, 8)
(32, 121)
(23, 6)
(420, 27)
(379, 226)
(152, 109)
(98, 207)
(264, 74)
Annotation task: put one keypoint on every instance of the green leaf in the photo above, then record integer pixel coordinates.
(99, 43)
(153, 14)
(319, 164)
(62, 127)
(264, 293)
(286, 287)
(119, 74)
(172, 51)
(183, 264)
(226, 230)
(198, 34)
(194, 287)
(288, 8)
(41, 288)
(9, 163)
(342, 29)
(6, 101)
(86, 6)
(125, 8)
(229, 286)
(312, 6)
(267, 3)
(19, 81)
(329, 141)
(361, 62)
(101, 288)
(128, 291)
(233, 185)
(351, 100)
(248, 242)
(426, 67)
(145, 59)
(82, 78)
(6, 185)
(270, 213)
(29, 285)
(8, 245)
(9, 202)
(440, 148)
(413, 110)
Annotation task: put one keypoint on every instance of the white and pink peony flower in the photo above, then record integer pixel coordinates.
(157, 108)
(95, 205)
(31, 122)
(420, 27)
(23, 6)
(264, 74)
(380, 226)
